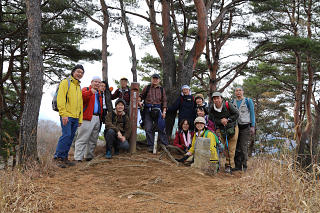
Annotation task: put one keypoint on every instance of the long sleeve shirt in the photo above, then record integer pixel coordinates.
(154, 96)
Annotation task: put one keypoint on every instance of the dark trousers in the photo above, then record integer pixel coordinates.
(150, 127)
(241, 156)
(113, 141)
(65, 141)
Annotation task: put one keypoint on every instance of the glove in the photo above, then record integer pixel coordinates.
(183, 159)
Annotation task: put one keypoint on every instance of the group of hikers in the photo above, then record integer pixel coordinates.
(84, 111)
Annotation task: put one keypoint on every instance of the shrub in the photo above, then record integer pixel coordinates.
(141, 137)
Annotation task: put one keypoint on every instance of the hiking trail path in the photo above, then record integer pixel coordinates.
(140, 183)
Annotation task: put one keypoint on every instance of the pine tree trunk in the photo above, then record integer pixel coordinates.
(132, 46)
(104, 49)
(29, 122)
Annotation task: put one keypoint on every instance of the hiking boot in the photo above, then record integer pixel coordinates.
(59, 162)
(244, 168)
(116, 152)
(88, 159)
(77, 161)
(150, 149)
(236, 169)
(108, 154)
(228, 169)
(69, 163)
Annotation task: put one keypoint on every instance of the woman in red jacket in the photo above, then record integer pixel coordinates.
(184, 136)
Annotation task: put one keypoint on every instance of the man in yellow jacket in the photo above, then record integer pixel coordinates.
(70, 105)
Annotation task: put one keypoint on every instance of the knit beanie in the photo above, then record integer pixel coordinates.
(78, 66)
(120, 100)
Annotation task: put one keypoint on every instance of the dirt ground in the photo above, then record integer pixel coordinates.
(136, 183)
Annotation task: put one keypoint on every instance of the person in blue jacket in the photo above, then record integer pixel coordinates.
(186, 105)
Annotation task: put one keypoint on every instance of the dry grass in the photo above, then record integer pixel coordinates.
(47, 138)
(277, 186)
(18, 193)
(269, 186)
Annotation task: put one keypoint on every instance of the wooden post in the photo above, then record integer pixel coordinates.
(134, 95)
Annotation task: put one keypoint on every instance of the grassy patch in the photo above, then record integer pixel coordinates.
(277, 185)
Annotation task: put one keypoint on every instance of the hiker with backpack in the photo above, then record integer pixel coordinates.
(225, 117)
(246, 124)
(154, 111)
(123, 92)
(69, 104)
(202, 131)
(184, 135)
(92, 113)
(186, 106)
(118, 129)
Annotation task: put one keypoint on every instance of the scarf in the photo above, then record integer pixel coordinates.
(188, 140)
(200, 134)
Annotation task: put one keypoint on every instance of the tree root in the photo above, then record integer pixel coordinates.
(176, 148)
(116, 167)
(93, 163)
(138, 193)
(158, 161)
(145, 160)
(132, 159)
(169, 154)
(154, 197)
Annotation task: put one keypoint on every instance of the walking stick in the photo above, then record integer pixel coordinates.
(227, 145)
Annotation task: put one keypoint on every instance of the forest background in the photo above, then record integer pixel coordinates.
(274, 50)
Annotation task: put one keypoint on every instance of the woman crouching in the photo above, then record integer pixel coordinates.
(202, 132)
(183, 139)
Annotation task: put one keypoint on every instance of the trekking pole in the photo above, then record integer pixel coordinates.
(227, 144)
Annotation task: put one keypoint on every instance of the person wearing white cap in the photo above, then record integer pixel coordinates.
(186, 106)
(89, 131)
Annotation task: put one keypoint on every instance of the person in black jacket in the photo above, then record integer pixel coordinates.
(225, 117)
(186, 106)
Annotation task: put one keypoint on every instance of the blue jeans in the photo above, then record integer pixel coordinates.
(65, 141)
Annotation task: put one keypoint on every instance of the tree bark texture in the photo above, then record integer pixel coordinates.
(132, 46)
(29, 122)
(104, 48)
(306, 141)
(1, 92)
(173, 79)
